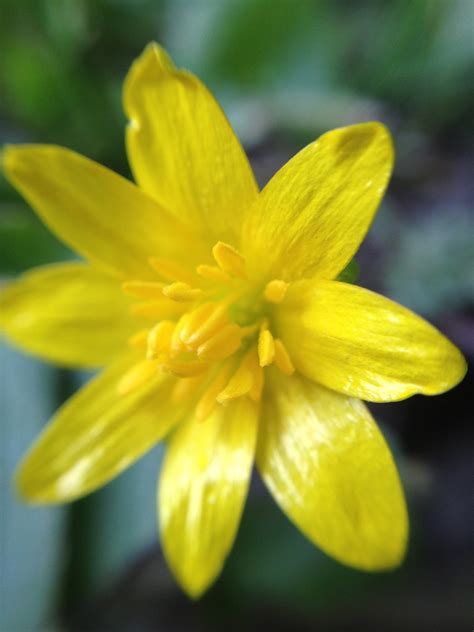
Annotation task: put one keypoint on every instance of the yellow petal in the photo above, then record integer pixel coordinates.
(203, 486)
(96, 435)
(317, 209)
(182, 149)
(101, 215)
(364, 345)
(328, 467)
(71, 314)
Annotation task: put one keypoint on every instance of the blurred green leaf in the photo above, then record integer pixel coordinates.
(25, 241)
(351, 272)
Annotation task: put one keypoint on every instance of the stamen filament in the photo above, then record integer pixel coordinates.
(223, 344)
(143, 289)
(135, 377)
(239, 384)
(139, 339)
(171, 271)
(208, 399)
(211, 320)
(164, 308)
(213, 273)
(184, 369)
(159, 339)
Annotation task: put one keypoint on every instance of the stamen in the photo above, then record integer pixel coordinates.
(206, 323)
(185, 388)
(181, 292)
(177, 345)
(255, 392)
(266, 348)
(171, 271)
(223, 344)
(164, 308)
(139, 339)
(185, 369)
(213, 273)
(137, 376)
(143, 289)
(208, 399)
(239, 384)
(282, 358)
(229, 260)
(275, 291)
(159, 339)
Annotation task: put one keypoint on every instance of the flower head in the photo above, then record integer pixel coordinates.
(217, 311)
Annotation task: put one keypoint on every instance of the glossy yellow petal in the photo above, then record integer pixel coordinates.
(364, 345)
(71, 314)
(328, 467)
(203, 486)
(182, 149)
(313, 214)
(98, 213)
(96, 435)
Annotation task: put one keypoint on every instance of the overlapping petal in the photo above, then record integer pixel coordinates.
(328, 467)
(71, 314)
(203, 486)
(101, 215)
(182, 149)
(317, 209)
(96, 435)
(364, 345)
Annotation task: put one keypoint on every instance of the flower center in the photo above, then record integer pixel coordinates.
(211, 328)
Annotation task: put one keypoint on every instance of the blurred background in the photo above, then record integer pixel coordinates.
(285, 72)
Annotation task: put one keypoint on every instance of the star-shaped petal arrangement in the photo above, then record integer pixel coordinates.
(216, 310)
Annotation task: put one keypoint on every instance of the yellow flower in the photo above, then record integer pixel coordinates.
(217, 310)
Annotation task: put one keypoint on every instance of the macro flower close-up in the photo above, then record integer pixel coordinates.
(225, 324)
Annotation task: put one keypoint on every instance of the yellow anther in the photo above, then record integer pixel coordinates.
(159, 339)
(184, 369)
(239, 384)
(255, 392)
(185, 388)
(206, 323)
(275, 291)
(143, 289)
(282, 358)
(229, 260)
(171, 271)
(181, 292)
(139, 339)
(208, 399)
(222, 344)
(213, 273)
(135, 377)
(164, 308)
(177, 344)
(266, 348)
